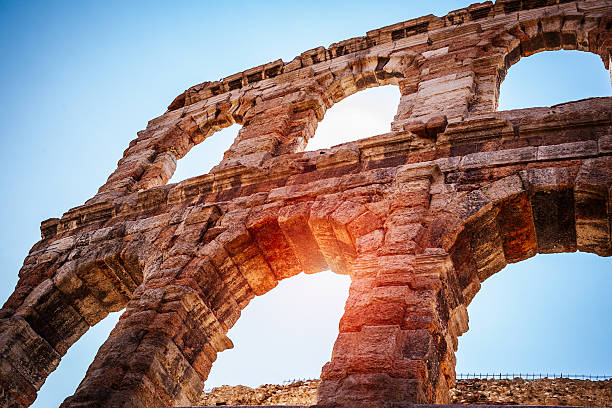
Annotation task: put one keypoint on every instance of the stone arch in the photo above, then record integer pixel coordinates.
(64, 289)
(296, 94)
(282, 120)
(408, 304)
(569, 27)
(276, 122)
(216, 259)
(539, 210)
(151, 159)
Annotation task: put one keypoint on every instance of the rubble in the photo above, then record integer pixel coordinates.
(517, 391)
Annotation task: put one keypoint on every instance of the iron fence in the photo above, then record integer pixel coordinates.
(532, 376)
(294, 380)
(497, 376)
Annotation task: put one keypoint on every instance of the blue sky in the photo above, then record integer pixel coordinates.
(79, 79)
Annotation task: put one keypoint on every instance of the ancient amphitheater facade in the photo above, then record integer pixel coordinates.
(418, 217)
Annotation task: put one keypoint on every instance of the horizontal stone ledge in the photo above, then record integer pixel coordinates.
(496, 158)
(364, 151)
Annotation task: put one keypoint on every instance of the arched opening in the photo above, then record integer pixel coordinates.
(553, 77)
(204, 156)
(59, 311)
(364, 114)
(71, 370)
(287, 333)
(542, 315)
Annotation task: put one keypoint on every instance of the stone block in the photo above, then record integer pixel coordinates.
(568, 150)
(293, 222)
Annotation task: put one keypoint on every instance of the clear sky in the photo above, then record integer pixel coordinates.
(79, 79)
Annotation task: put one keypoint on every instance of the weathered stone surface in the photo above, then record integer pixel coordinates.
(297, 393)
(417, 217)
(558, 391)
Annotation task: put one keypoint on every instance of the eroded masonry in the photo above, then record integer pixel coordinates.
(418, 217)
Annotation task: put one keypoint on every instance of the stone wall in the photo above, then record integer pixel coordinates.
(418, 217)
(559, 391)
(297, 393)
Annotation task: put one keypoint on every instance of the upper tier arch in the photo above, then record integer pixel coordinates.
(545, 30)
(445, 66)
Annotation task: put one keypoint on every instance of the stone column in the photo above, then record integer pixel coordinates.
(593, 204)
(403, 315)
(276, 126)
(27, 360)
(439, 84)
(397, 336)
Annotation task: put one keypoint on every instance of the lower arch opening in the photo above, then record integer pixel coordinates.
(545, 315)
(286, 334)
(64, 381)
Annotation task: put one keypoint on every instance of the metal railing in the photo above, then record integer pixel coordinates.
(532, 376)
(498, 376)
(294, 380)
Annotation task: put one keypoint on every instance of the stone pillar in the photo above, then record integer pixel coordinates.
(397, 336)
(162, 349)
(438, 84)
(448, 95)
(27, 360)
(280, 125)
(593, 204)
(403, 315)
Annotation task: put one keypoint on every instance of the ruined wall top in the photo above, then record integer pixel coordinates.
(429, 30)
(448, 69)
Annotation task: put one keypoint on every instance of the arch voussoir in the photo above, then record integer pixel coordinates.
(264, 226)
(293, 222)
